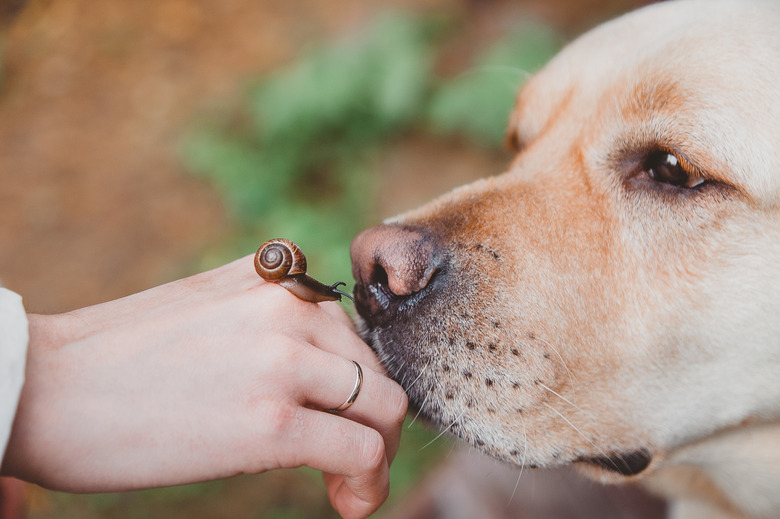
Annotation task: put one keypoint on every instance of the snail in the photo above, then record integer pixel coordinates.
(282, 262)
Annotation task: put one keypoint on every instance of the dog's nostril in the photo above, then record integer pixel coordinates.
(378, 276)
(378, 288)
(390, 263)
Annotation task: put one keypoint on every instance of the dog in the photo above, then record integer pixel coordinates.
(612, 301)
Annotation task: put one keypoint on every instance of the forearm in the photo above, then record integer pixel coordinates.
(98, 414)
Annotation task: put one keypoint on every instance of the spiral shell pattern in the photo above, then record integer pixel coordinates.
(278, 259)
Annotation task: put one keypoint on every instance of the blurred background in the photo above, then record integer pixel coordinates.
(142, 141)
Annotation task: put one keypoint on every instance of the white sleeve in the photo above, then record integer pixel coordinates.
(13, 355)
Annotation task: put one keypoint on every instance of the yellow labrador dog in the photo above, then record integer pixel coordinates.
(613, 300)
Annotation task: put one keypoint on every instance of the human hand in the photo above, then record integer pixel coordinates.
(207, 377)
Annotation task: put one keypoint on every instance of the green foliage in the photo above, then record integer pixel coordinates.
(478, 102)
(294, 160)
(355, 91)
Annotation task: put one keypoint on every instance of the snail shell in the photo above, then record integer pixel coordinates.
(278, 259)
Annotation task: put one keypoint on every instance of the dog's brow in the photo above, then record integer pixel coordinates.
(660, 116)
(651, 95)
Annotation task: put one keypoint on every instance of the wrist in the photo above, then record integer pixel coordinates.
(46, 333)
(51, 332)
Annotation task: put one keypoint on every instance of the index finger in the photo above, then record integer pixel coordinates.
(332, 330)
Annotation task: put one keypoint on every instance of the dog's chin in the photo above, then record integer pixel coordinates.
(613, 467)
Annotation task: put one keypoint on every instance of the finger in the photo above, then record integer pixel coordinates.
(341, 339)
(317, 324)
(345, 448)
(380, 404)
(335, 310)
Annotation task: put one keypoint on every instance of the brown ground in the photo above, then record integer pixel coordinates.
(95, 95)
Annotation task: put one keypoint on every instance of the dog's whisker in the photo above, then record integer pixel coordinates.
(575, 406)
(571, 404)
(555, 350)
(584, 436)
(422, 406)
(399, 368)
(522, 463)
(422, 372)
(514, 490)
(525, 444)
(444, 430)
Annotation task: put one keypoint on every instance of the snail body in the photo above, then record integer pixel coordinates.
(282, 262)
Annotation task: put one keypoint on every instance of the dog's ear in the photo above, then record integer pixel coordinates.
(512, 139)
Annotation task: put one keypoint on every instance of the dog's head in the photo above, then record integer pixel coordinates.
(615, 294)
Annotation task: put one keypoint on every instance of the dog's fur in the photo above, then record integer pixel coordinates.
(580, 311)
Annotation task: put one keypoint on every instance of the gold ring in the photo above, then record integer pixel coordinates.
(355, 391)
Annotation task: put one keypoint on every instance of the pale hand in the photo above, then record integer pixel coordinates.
(207, 377)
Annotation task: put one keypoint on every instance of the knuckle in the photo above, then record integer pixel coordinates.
(283, 420)
(277, 302)
(286, 356)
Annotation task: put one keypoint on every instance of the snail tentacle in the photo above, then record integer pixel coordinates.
(335, 288)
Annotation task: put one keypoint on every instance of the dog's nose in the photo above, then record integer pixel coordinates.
(390, 263)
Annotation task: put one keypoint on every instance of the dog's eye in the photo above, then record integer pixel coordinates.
(666, 168)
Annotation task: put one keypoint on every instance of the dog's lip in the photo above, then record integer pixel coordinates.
(628, 463)
(407, 302)
(382, 295)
